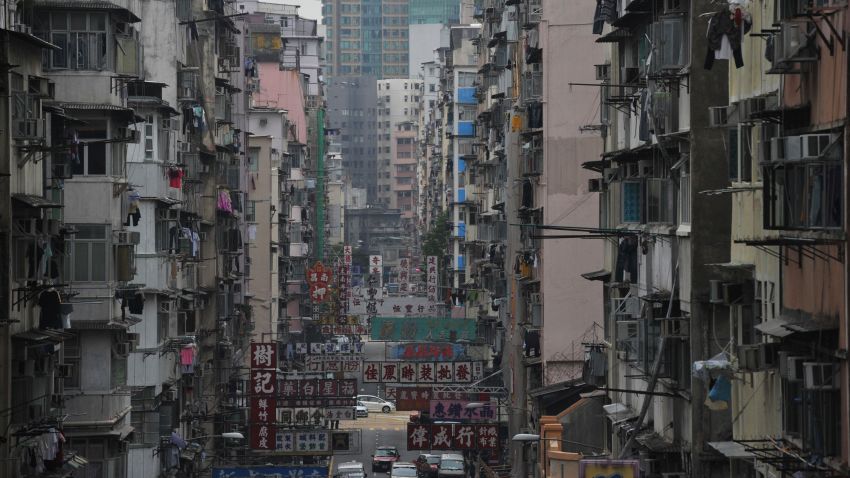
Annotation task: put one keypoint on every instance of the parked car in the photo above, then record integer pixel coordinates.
(351, 469)
(384, 458)
(376, 404)
(451, 466)
(360, 410)
(427, 465)
(403, 469)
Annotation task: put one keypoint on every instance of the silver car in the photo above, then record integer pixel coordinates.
(451, 466)
(403, 469)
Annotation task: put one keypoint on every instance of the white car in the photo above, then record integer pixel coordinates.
(351, 469)
(376, 404)
(403, 469)
(360, 410)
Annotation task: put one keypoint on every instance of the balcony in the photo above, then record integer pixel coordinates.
(532, 86)
(96, 408)
(26, 121)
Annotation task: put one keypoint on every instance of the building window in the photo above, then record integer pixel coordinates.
(165, 239)
(149, 137)
(804, 183)
(251, 211)
(253, 159)
(631, 202)
(95, 152)
(88, 259)
(72, 357)
(739, 153)
(82, 41)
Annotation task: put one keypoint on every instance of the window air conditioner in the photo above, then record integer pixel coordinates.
(821, 376)
(791, 367)
(603, 72)
(676, 327)
(128, 237)
(595, 185)
(716, 291)
(718, 116)
(122, 349)
(65, 369)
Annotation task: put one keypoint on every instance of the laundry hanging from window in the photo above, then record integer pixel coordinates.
(224, 203)
(133, 212)
(726, 30)
(175, 177)
(50, 303)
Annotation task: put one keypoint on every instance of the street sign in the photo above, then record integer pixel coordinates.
(453, 436)
(423, 329)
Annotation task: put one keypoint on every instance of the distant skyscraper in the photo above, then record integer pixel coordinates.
(446, 12)
(351, 111)
(366, 38)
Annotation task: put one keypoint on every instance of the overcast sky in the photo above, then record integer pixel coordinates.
(309, 8)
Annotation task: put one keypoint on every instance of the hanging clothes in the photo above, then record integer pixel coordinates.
(187, 358)
(606, 12)
(133, 212)
(136, 303)
(175, 178)
(51, 309)
(224, 203)
(729, 25)
(188, 121)
(626, 260)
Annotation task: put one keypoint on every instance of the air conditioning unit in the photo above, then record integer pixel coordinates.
(750, 106)
(715, 291)
(129, 135)
(128, 237)
(65, 369)
(758, 357)
(171, 395)
(595, 185)
(791, 367)
(644, 168)
(603, 72)
(821, 376)
(122, 349)
(675, 327)
(813, 145)
(791, 44)
(732, 293)
(718, 116)
(133, 338)
(534, 298)
(628, 329)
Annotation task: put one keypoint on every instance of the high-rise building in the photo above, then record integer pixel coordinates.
(351, 111)
(366, 38)
(434, 11)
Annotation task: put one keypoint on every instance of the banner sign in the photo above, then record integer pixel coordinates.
(312, 416)
(409, 399)
(303, 442)
(457, 410)
(332, 364)
(344, 329)
(417, 372)
(316, 402)
(346, 442)
(311, 387)
(347, 254)
(376, 268)
(423, 329)
(328, 348)
(397, 393)
(452, 436)
(404, 275)
(426, 352)
(605, 468)
(264, 355)
(432, 272)
(318, 278)
(278, 471)
(262, 383)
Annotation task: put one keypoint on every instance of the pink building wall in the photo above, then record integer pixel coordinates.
(283, 89)
(571, 304)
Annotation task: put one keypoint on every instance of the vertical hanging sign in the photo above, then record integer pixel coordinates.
(376, 268)
(404, 275)
(432, 271)
(263, 388)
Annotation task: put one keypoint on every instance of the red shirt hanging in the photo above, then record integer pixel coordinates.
(175, 178)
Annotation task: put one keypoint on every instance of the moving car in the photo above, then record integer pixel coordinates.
(350, 469)
(403, 469)
(451, 466)
(427, 465)
(384, 458)
(360, 410)
(376, 404)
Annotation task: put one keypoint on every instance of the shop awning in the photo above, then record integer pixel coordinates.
(731, 449)
(784, 325)
(618, 412)
(34, 335)
(601, 274)
(32, 200)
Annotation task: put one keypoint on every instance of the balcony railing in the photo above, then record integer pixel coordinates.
(96, 407)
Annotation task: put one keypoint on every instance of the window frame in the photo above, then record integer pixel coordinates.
(92, 255)
(98, 38)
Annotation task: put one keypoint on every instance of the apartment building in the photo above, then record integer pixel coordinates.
(366, 38)
(403, 151)
(398, 102)
(352, 111)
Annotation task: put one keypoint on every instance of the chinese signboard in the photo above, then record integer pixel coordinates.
(303, 441)
(425, 352)
(452, 436)
(376, 268)
(410, 398)
(279, 471)
(318, 363)
(609, 468)
(316, 402)
(344, 329)
(432, 272)
(262, 383)
(418, 372)
(345, 442)
(318, 388)
(318, 277)
(404, 275)
(423, 329)
(263, 355)
(329, 348)
(458, 410)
